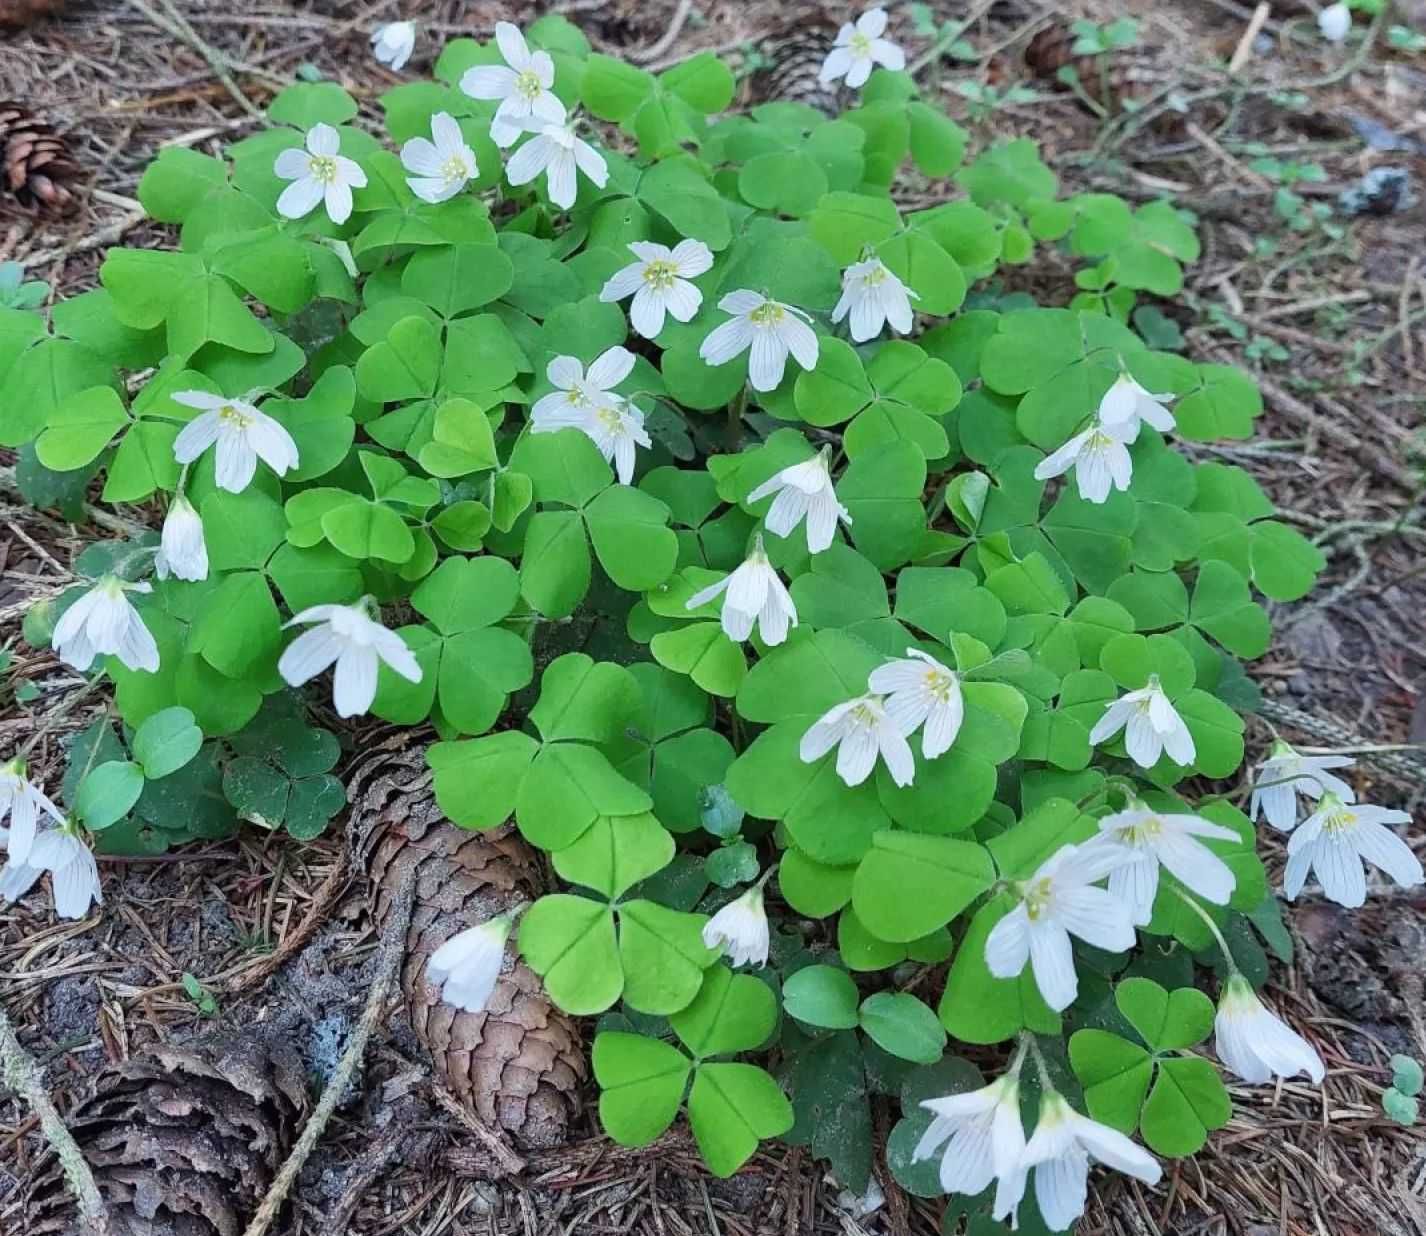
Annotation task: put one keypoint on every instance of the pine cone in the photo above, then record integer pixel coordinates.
(184, 1141)
(795, 55)
(519, 1064)
(1111, 79)
(17, 13)
(35, 166)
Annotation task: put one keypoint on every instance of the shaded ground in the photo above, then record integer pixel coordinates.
(1331, 317)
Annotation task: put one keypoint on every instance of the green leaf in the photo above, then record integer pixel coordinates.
(927, 269)
(641, 1084)
(615, 854)
(457, 278)
(899, 1023)
(569, 786)
(938, 144)
(614, 90)
(846, 223)
(977, 1007)
(1187, 1101)
(80, 427)
(731, 1013)
(555, 567)
(664, 956)
(476, 782)
(705, 654)
(570, 943)
(166, 741)
(404, 365)
(1223, 608)
(882, 491)
(581, 698)
(630, 533)
(731, 1107)
(821, 996)
(1115, 1074)
(909, 884)
(307, 103)
(107, 793)
(1165, 1021)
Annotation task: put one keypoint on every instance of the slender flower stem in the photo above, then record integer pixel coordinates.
(1233, 970)
(1047, 1083)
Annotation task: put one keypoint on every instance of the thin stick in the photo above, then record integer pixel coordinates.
(510, 1163)
(393, 949)
(175, 25)
(19, 1072)
(1244, 51)
(642, 55)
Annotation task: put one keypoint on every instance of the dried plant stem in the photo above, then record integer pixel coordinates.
(19, 1072)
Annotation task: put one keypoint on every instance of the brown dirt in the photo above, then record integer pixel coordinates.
(280, 934)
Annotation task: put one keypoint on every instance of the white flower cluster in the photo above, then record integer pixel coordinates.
(32, 850)
(1099, 455)
(587, 402)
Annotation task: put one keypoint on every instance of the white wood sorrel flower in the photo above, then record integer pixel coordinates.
(804, 491)
(984, 1139)
(241, 434)
(860, 729)
(559, 152)
(357, 643)
(467, 966)
(872, 297)
(102, 623)
(522, 85)
(1126, 404)
(859, 48)
(922, 691)
(754, 594)
(23, 803)
(318, 174)
(70, 862)
(393, 43)
(1060, 1152)
(770, 328)
(1285, 774)
(659, 283)
(741, 926)
(1334, 840)
(1061, 899)
(1256, 1044)
(1335, 22)
(182, 552)
(440, 166)
(1156, 839)
(1151, 726)
(1100, 460)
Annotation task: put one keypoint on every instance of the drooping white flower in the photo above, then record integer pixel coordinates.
(74, 873)
(804, 491)
(1285, 774)
(873, 297)
(102, 623)
(467, 966)
(393, 43)
(182, 552)
(522, 85)
(442, 165)
(559, 152)
(613, 424)
(860, 729)
(1060, 1151)
(1255, 1043)
(345, 634)
(243, 436)
(755, 594)
(1335, 22)
(984, 1139)
(1126, 404)
(770, 328)
(1333, 841)
(658, 282)
(1170, 841)
(577, 391)
(741, 926)
(1151, 726)
(318, 174)
(1099, 458)
(22, 802)
(1061, 899)
(922, 691)
(859, 48)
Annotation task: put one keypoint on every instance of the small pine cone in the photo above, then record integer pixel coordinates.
(35, 167)
(518, 1064)
(795, 57)
(16, 13)
(1111, 80)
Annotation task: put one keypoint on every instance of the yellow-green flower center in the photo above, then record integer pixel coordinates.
(1037, 897)
(323, 168)
(455, 168)
(527, 84)
(1343, 821)
(769, 313)
(660, 274)
(610, 419)
(1145, 830)
(860, 45)
(234, 416)
(938, 683)
(876, 276)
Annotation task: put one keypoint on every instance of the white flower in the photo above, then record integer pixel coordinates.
(1058, 901)
(1126, 404)
(393, 43)
(858, 48)
(860, 729)
(755, 594)
(874, 297)
(577, 391)
(557, 151)
(1335, 22)
(1334, 840)
(1285, 774)
(770, 328)
(243, 436)
(103, 623)
(22, 801)
(1099, 458)
(804, 491)
(62, 852)
(442, 165)
(1257, 1045)
(658, 282)
(1158, 840)
(1151, 726)
(1060, 1151)
(356, 642)
(523, 87)
(318, 174)
(741, 926)
(920, 690)
(467, 966)
(182, 552)
(983, 1135)
(614, 425)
